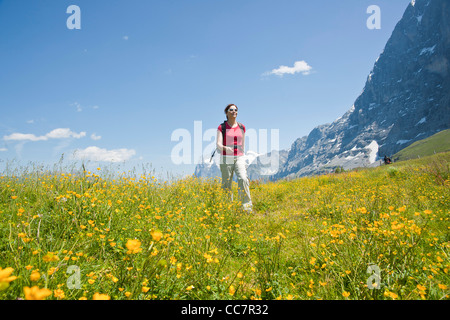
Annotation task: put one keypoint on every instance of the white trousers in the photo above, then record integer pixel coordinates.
(229, 165)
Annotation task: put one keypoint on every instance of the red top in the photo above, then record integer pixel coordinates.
(233, 136)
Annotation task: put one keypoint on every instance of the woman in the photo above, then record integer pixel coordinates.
(231, 143)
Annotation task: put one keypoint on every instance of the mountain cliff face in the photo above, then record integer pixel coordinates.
(406, 98)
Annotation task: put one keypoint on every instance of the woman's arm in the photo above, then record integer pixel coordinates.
(219, 144)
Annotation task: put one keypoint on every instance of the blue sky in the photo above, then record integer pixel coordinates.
(136, 71)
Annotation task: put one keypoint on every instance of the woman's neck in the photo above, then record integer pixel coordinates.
(231, 122)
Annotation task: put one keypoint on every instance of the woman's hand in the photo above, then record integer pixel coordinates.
(229, 150)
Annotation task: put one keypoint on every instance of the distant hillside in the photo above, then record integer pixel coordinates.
(439, 142)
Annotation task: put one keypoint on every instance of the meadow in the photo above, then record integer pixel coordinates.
(370, 233)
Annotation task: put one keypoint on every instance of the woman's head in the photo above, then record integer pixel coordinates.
(231, 109)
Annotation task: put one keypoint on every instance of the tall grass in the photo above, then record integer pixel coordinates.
(89, 235)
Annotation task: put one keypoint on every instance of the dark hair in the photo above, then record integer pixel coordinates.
(228, 107)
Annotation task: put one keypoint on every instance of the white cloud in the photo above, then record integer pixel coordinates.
(30, 121)
(63, 133)
(24, 137)
(299, 67)
(60, 133)
(125, 38)
(3, 149)
(95, 137)
(77, 106)
(98, 154)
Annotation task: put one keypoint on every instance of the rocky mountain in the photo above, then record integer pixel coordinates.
(406, 98)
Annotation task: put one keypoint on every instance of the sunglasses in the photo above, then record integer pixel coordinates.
(231, 110)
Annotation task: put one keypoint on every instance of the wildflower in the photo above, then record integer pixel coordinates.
(421, 288)
(190, 288)
(442, 286)
(49, 257)
(58, 293)
(100, 296)
(156, 235)
(231, 290)
(34, 293)
(312, 261)
(35, 275)
(52, 271)
(5, 275)
(393, 295)
(133, 246)
(145, 289)
(346, 294)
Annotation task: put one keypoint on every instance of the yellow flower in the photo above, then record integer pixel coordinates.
(52, 271)
(49, 257)
(145, 289)
(442, 286)
(190, 288)
(35, 275)
(58, 293)
(34, 293)
(232, 290)
(421, 288)
(239, 275)
(346, 294)
(5, 275)
(100, 296)
(91, 281)
(393, 295)
(156, 235)
(127, 294)
(312, 261)
(133, 246)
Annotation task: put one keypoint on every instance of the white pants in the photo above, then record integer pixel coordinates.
(229, 165)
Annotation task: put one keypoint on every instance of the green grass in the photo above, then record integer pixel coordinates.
(309, 238)
(439, 142)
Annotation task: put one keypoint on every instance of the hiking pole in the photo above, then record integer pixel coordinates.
(212, 155)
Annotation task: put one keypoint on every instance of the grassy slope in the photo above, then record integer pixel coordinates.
(439, 142)
(309, 238)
